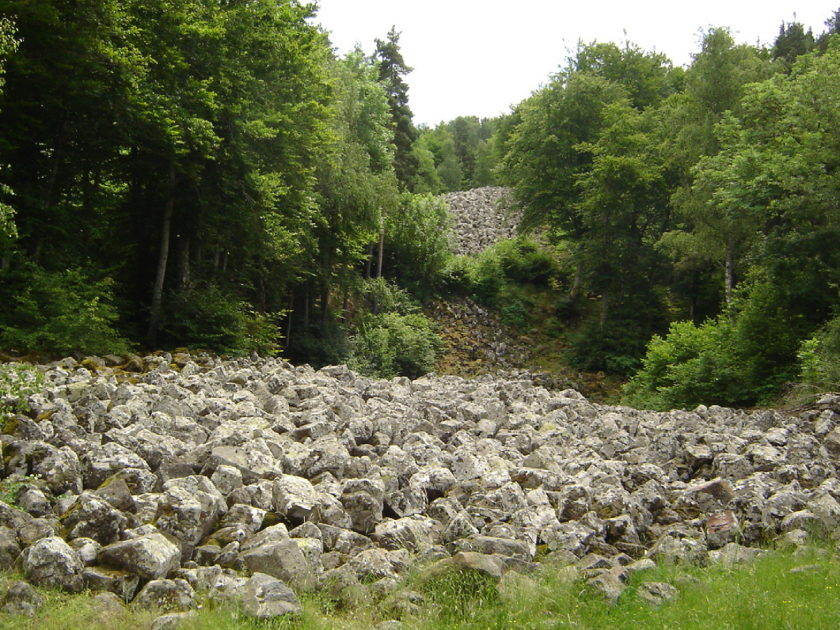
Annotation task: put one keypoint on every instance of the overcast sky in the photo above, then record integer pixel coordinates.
(479, 57)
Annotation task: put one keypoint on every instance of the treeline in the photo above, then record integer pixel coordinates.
(213, 175)
(699, 208)
(204, 174)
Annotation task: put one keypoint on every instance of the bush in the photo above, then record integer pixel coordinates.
(457, 277)
(390, 344)
(206, 316)
(524, 260)
(741, 358)
(63, 312)
(513, 313)
(819, 358)
(417, 241)
(691, 366)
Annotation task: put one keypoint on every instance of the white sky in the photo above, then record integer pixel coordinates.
(479, 57)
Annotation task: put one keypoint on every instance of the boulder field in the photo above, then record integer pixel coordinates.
(153, 479)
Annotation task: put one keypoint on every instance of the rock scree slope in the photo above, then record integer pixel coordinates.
(161, 477)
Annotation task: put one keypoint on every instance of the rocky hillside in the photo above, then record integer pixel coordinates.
(158, 478)
(482, 217)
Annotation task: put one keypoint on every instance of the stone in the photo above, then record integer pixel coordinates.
(165, 594)
(172, 621)
(95, 518)
(656, 593)
(121, 583)
(266, 597)
(283, 560)
(51, 562)
(151, 556)
(21, 599)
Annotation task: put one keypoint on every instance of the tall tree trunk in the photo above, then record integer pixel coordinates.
(577, 282)
(605, 307)
(184, 263)
(325, 302)
(369, 261)
(729, 272)
(379, 257)
(381, 252)
(163, 257)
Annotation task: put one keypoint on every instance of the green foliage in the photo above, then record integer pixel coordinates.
(18, 381)
(63, 312)
(819, 358)
(743, 357)
(391, 344)
(524, 260)
(209, 317)
(457, 275)
(327, 343)
(388, 297)
(417, 241)
(514, 313)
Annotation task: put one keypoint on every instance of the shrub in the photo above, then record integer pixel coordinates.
(457, 277)
(741, 358)
(692, 365)
(391, 344)
(523, 260)
(513, 313)
(417, 240)
(206, 316)
(63, 312)
(819, 358)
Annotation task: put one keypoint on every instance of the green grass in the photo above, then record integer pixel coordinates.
(762, 595)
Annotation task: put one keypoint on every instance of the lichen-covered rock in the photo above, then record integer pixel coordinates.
(51, 562)
(121, 583)
(265, 597)
(93, 517)
(283, 560)
(151, 556)
(21, 599)
(164, 594)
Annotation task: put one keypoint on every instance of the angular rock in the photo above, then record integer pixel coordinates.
(21, 599)
(51, 562)
(265, 597)
(151, 556)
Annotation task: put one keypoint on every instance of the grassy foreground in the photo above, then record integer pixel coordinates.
(776, 591)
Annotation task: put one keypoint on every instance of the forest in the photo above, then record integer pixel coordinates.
(204, 174)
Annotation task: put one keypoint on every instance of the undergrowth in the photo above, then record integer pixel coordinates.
(777, 591)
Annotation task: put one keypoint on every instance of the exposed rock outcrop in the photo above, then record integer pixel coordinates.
(482, 217)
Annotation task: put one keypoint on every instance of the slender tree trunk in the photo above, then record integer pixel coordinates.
(577, 282)
(369, 261)
(163, 257)
(289, 318)
(217, 256)
(381, 252)
(184, 263)
(325, 302)
(729, 272)
(605, 307)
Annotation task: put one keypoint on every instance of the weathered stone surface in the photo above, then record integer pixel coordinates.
(21, 599)
(374, 476)
(655, 593)
(174, 594)
(283, 560)
(264, 597)
(51, 562)
(151, 556)
(121, 583)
